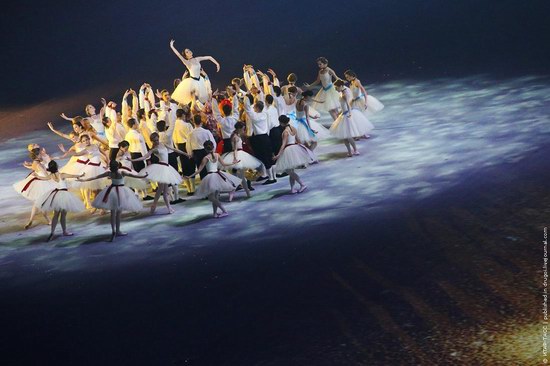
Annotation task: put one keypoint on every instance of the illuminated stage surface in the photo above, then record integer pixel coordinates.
(407, 254)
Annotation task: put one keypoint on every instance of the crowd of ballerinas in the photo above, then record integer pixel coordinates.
(256, 127)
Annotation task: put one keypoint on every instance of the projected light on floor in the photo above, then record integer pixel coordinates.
(428, 138)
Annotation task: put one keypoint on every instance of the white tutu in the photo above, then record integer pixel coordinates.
(184, 91)
(322, 132)
(91, 170)
(302, 132)
(345, 127)
(135, 183)
(33, 188)
(217, 181)
(330, 99)
(74, 166)
(294, 156)
(118, 198)
(162, 173)
(313, 113)
(60, 199)
(247, 161)
(373, 104)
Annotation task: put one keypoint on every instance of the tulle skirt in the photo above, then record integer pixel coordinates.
(161, 173)
(330, 99)
(313, 113)
(373, 105)
(75, 165)
(184, 91)
(33, 188)
(60, 199)
(294, 156)
(91, 170)
(345, 127)
(247, 161)
(118, 198)
(135, 183)
(217, 182)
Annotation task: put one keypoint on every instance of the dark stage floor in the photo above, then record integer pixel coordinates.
(447, 271)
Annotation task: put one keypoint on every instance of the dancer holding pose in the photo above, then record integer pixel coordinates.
(33, 187)
(351, 122)
(239, 159)
(215, 180)
(92, 168)
(59, 199)
(123, 157)
(309, 131)
(161, 172)
(194, 85)
(116, 197)
(327, 94)
(292, 155)
(361, 100)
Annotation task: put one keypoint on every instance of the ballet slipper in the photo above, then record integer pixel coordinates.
(231, 195)
(356, 152)
(302, 188)
(171, 211)
(349, 155)
(223, 214)
(29, 224)
(153, 208)
(50, 237)
(112, 238)
(293, 191)
(67, 233)
(121, 233)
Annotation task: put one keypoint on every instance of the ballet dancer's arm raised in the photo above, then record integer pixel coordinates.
(189, 56)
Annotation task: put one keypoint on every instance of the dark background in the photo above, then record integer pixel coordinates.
(53, 49)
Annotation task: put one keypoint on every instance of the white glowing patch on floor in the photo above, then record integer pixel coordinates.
(428, 138)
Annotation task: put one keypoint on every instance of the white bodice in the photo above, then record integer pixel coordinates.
(239, 143)
(325, 78)
(194, 68)
(117, 181)
(300, 114)
(162, 153)
(124, 160)
(345, 94)
(212, 166)
(291, 138)
(93, 153)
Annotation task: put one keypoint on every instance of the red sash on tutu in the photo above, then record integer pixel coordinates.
(53, 194)
(28, 183)
(106, 198)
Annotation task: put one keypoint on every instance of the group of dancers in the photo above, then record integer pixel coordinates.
(256, 127)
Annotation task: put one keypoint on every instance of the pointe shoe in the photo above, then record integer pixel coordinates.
(121, 233)
(29, 224)
(302, 188)
(223, 214)
(171, 211)
(50, 238)
(67, 233)
(293, 191)
(356, 152)
(153, 208)
(349, 155)
(112, 238)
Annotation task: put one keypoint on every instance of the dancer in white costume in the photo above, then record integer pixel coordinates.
(292, 155)
(116, 197)
(351, 122)
(238, 158)
(361, 99)
(161, 173)
(59, 199)
(309, 131)
(327, 94)
(195, 85)
(123, 157)
(93, 117)
(215, 180)
(93, 167)
(32, 187)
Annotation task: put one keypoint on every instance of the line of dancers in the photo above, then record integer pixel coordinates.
(256, 127)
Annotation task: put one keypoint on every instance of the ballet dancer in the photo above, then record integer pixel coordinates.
(93, 117)
(292, 155)
(161, 172)
(194, 85)
(123, 157)
(239, 159)
(351, 122)
(327, 94)
(165, 137)
(32, 187)
(215, 180)
(116, 197)
(361, 99)
(59, 199)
